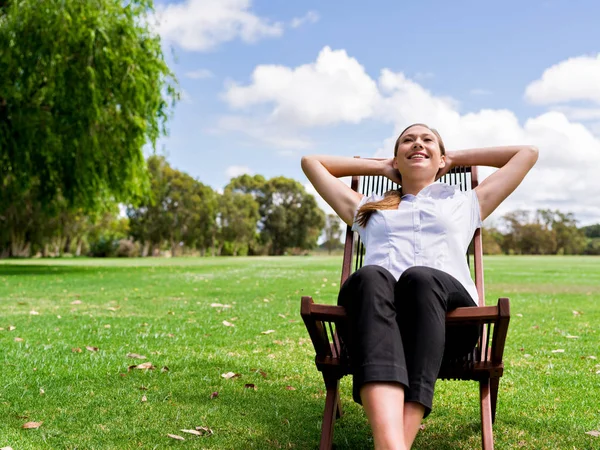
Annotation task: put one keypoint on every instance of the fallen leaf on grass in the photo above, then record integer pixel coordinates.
(135, 355)
(6, 448)
(228, 324)
(11, 328)
(143, 366)
(576, 313)
(76, 302)
(164, 369)
(558, 350)
(229, 375)
(18, 339)
(174, 436)
(205, 431)
(519, 315)
(250, 386)
(194, 432)
(92, 349)
(76, 350)
(281, 315)
(593, 433)
(107, 326)
(32, 425)
(264, 374)
(144, 399)
(290, 388)
(112, 308)
(34, 313)
(266, 300)
(571, 337)
(267, 332)
(143, 388)
(214, 395)
(42, 392)
(218, 305)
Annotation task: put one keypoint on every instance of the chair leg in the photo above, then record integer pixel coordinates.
(338, 409)
(487, 437)
(494, 382)
(332, 401)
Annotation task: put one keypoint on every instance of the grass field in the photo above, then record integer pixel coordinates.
(167, 311)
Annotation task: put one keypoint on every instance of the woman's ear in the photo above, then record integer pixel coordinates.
(443, 161)
(395, 164)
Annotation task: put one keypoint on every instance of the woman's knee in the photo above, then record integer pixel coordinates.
(417, 285)
(417, 275)
(372, 282)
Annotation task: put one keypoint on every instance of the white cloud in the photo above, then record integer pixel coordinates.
(573, 79)
(336, 89)
(201, 25)
(309, 17)
(333, 89)
(199, 74)
(265, 132)
(236, 171)
(578, 113)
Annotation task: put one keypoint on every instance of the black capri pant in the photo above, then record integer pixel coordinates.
(397, 329)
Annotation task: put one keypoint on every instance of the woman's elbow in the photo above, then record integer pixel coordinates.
(307, 163)
(533, 153)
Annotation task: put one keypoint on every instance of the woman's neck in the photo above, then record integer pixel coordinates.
(414, 186)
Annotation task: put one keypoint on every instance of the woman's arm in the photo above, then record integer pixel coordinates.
(323, 172)
(513, 162)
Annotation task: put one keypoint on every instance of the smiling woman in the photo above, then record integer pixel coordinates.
(414, 270)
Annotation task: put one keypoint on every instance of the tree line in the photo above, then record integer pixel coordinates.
(252, 216)
(541, 232)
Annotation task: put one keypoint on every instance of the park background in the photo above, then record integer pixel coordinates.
(132, 131)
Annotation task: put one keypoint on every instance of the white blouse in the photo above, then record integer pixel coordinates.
(433, 229)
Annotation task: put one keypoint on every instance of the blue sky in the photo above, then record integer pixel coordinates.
(267, 81)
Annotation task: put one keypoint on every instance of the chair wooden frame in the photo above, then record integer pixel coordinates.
(326, 326)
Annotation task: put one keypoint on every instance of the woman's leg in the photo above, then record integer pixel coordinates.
(423, 296)
(376, 352)
(383, 404)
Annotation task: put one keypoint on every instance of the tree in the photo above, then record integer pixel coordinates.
(84, 87)
(289, 217)
(178, 210)
(333, 233)
(592, 231)
(492, 241)
(238, 216)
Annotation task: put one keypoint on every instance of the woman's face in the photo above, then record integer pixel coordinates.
(419, 152)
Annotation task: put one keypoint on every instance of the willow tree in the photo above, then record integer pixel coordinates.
(83, 88)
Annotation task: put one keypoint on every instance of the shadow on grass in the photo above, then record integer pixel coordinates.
(41, 270)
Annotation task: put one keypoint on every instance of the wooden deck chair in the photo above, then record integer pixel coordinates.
(325, 325)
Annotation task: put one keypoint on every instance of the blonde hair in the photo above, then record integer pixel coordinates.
(391, 199)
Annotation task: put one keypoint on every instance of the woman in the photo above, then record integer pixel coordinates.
(415, 270)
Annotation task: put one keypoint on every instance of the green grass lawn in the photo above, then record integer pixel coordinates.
(165, 310)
